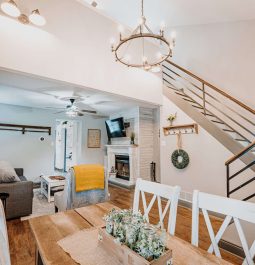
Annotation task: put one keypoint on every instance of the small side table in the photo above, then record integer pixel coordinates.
(3, 197)
(47, 184)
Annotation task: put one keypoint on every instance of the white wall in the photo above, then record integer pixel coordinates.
(74, 46)
(37, 157)
(206, 171)
(222, 54)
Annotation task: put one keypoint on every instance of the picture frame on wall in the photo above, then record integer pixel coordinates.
(94, 138)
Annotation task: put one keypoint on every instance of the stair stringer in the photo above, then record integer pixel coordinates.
(222, 137)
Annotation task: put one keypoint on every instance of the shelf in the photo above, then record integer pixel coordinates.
(183, 129)
(24, 128)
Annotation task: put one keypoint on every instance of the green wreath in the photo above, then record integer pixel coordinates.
(180, 159)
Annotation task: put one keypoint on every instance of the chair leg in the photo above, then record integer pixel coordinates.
(56, 209)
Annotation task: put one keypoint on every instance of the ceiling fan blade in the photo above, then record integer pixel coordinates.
(100, 117)
(54, 108)
(89, 111)
(59, 112)
(80, 114)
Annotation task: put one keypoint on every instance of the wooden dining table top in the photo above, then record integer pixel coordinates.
(48, 230)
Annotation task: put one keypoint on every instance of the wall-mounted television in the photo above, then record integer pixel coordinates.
(115, 128)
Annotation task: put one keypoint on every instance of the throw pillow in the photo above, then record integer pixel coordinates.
(7, 173)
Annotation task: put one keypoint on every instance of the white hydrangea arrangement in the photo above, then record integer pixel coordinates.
(132, 230)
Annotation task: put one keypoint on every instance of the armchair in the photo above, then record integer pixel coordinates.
(70, 199)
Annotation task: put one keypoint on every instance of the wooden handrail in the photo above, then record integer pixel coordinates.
(244, 151)
(213, 87)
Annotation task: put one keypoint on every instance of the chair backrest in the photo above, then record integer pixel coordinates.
(233, 210)
(171, 194)
(4, 243)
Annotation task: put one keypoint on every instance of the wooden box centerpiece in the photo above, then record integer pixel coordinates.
(127, 256)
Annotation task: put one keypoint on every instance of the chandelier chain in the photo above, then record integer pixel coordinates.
(142, 7)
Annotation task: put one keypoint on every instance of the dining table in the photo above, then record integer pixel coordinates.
(50, 229)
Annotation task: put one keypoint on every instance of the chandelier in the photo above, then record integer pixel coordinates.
(141, 42)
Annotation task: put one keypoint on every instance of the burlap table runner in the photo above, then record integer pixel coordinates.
(84, 249)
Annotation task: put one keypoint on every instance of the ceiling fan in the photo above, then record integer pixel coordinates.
(72, 110)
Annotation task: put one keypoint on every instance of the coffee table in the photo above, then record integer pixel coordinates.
(47, 184)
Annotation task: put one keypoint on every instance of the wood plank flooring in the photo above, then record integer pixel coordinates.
(22, 245)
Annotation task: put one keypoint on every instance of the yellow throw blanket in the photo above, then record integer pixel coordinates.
(89, 177)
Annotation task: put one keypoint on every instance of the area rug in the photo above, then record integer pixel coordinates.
(40, 206)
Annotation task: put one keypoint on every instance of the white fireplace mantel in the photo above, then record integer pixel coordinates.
(124, 149)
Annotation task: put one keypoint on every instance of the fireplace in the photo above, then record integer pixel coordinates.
(122, 166)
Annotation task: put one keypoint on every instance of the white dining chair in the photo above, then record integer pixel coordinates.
(4, 242)
(235, 210)
(171, 194)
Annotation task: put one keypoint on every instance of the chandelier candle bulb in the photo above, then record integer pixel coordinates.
(120, 29)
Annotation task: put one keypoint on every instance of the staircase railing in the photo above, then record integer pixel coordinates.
(219, 106)
(237, 173)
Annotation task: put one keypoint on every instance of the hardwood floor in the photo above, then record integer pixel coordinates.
(22, 246)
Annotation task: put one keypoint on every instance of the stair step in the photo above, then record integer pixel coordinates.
(208, 114)
(190, 100)
(220, 122)
(198, 107)
(242, 140)
(181, 94)
(228, 130)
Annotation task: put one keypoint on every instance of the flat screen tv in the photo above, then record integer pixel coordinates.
(115, 128)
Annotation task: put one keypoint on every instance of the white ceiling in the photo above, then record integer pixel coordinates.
(24, 90)
(177, 12)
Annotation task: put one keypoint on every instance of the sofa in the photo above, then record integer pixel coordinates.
(20, 199)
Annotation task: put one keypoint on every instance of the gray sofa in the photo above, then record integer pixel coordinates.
(21, 194)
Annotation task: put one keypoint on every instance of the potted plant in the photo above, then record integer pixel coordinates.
(171, 118)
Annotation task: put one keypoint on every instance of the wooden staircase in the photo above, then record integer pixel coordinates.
(230, 121)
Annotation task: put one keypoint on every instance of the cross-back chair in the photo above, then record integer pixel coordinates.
(4, 242)
(233, 210)
(171, 194)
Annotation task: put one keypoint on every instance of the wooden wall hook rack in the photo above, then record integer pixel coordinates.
(24, 128)
(183, 129)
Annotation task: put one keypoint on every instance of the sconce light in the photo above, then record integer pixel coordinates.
(36, 18)
(10, 8)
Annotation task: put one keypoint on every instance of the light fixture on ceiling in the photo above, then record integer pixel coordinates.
(36, 18)
(140, 38)
(10, 8)
(72, 113)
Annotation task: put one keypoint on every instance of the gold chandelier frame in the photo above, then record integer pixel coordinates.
(139, 33)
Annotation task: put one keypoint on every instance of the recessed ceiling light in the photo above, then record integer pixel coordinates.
(10, 8)
(36, 18)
